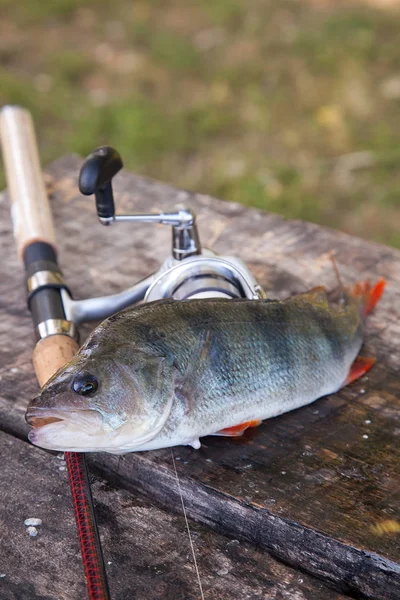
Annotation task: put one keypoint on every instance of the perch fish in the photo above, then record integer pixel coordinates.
(169, 372)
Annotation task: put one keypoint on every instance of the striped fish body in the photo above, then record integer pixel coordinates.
(170, 372)
(241, 361)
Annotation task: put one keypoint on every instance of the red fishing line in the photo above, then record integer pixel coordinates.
(89, 540)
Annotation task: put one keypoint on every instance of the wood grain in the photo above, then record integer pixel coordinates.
(313, 486)
(147, 550)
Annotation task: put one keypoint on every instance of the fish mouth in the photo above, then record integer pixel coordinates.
(85, 419)
(83, 430)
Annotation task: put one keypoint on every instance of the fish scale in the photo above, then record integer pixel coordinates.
(170, 372)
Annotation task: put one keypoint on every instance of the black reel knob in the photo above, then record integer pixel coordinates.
(95, 178)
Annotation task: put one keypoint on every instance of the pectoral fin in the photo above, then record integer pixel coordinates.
(186, 382)
(237, 430)
(360, 366)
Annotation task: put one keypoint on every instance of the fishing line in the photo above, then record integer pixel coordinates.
(187, 526)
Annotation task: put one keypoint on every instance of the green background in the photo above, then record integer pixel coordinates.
(289, 106)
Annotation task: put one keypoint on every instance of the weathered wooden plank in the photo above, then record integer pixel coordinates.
(311, 473)
(352, 570)
(147, 550)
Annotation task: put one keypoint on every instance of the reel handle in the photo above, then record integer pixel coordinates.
(95, 178)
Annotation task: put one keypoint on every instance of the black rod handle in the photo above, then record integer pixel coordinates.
(95, 178)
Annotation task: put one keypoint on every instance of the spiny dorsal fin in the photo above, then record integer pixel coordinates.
(316, 295)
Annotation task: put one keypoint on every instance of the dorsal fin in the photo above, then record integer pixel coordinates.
(316, 294)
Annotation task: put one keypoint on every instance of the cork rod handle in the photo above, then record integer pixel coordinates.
(52, 353)
(30, 211)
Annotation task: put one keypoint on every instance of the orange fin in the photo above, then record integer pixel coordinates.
(238, 430)
(369, 295)
(360, 366)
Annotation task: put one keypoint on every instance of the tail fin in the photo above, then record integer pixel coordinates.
(368, 295)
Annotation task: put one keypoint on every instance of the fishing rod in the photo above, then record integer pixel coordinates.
(56, 333)
(190, 271)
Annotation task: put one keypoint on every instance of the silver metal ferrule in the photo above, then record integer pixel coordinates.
(56, 326)
(44, 278)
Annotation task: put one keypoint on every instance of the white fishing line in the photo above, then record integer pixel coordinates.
(187, 526)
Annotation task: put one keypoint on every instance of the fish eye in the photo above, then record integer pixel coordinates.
(85, 384)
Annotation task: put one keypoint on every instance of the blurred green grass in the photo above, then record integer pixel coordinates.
(290, 107)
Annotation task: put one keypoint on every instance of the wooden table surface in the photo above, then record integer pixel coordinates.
(312, 494)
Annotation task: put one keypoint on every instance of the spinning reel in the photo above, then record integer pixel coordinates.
(189, 272)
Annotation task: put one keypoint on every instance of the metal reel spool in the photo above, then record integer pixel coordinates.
(205, 277)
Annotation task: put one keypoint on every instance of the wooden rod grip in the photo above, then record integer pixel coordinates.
(52, 353)
(31, 215)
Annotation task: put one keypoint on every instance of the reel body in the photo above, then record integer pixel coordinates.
(190, 271)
